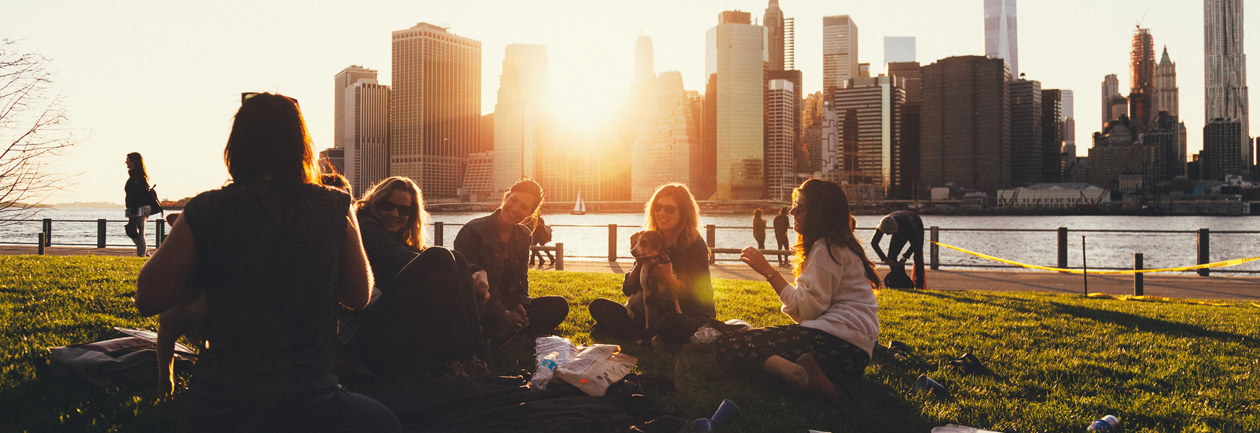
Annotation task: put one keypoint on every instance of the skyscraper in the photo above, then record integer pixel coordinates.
(736, 52)
(870, 118)
(644, 63)
(781, 112)
(840, 52)
(435, 107)
(1220, 149)
(1111, 100)
(667, 136)
(367, 133)
(1051, 134)
(908, 155)
(1225, 67)
(1067, 109)
(1166, 96)
(1142, 76)
(346, 78)
(966, 124)
(898, 49)
(519, 114)
(1026, 138)
(773, 22)
(1000, 33)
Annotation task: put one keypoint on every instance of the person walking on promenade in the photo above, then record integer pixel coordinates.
(832, 302)
(759, 229)
(275, 253)
(137, 202)
(499, 244)
(541, 233)
(673, 212)
(781, 234)
(906, 228)
(422, 321)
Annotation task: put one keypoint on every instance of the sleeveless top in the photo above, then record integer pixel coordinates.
(268, 257)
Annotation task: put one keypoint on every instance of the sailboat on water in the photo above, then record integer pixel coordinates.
(579, 208)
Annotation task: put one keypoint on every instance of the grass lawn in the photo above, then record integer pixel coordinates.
(1059, 361)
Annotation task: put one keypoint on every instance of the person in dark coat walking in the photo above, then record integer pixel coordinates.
(137, 201)
(759, 229)
(780, 234)
(905, 227)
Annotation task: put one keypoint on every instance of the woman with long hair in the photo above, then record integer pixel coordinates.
(137, 201)
(673, 212)
(274, 252)
(832, 302)
(422, 319)
(499, 243)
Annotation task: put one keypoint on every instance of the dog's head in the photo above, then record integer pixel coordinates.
(646, 244)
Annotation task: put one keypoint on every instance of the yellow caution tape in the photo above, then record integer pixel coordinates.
(1233, 262)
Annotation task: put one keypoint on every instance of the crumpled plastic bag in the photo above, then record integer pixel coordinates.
(597, 367)
(705, 335)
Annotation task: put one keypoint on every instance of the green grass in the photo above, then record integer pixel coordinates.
(1060, 361)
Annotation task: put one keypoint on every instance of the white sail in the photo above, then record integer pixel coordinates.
(579, 206)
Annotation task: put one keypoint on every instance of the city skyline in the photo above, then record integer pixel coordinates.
(233, 52)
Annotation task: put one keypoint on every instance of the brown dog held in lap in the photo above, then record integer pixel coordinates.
(184, 319)
(652, 300)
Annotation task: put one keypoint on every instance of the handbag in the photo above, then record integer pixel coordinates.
(155, 205)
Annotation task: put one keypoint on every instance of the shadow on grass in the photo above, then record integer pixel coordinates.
(1147, 324)
(50, 402)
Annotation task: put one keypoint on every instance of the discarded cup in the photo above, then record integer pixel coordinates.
(724, 413)
(703, 424)
(1108, 424)
(925, 383)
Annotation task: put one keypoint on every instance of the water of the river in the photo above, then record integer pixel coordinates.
(734, 231)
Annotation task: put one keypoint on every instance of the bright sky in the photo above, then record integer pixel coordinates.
(163, 78)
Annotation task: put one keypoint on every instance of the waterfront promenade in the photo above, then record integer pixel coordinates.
(1183, 286)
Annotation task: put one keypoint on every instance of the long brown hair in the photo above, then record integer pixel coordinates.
(137, 165)
(827, 219)
(413, 231)
(269, 138)
(688, 213)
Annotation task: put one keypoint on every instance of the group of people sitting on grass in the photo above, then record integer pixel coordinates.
(302, 282)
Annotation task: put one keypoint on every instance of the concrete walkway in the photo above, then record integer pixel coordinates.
(1185, 286)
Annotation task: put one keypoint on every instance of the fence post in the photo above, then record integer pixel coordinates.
(159, 232)
(437, 233)
(559, 256)
(1137, 276)
(41, 243)
(1063, 255)
(48, 232)
(1204, 249)
(1084, 265)
(100, 233)
(936, 250)
(710, 238)
(612, 242)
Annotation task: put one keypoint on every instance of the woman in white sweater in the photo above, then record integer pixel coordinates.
(832, 302)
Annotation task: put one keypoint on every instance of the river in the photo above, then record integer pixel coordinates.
(734, 231)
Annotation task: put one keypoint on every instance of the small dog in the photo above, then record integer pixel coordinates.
(184, 319)
(652, 300)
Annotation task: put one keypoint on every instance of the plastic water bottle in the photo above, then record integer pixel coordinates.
(546, 369)
(1108, 424)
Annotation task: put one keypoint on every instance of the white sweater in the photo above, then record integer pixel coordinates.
(834, 296)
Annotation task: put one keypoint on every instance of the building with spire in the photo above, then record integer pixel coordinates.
(1167, 100)
(1225, 70)
(1001, 39)
(519, 114)
(774, 24)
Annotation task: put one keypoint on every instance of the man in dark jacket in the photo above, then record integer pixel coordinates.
(781, 233)
(905, 227)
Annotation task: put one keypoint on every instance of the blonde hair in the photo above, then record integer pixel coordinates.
(413, 231)
(688, 213)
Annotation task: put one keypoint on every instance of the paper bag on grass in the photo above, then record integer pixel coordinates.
(597, 367)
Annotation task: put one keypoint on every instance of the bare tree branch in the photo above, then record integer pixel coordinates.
(33, 133)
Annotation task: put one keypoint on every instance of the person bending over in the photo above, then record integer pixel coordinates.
(422, 320)
(832, 302)
(673, 212)
(905, 228)
(274, 253)
(499, 244)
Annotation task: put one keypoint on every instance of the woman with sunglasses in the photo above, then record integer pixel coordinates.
(673, 211)
(499, 243)
(832, 302)
(274, 252)
(421, 321)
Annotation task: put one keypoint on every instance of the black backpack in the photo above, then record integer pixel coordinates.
(155, 205)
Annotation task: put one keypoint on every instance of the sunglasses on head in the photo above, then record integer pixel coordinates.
(387, 206)
(246, 95)
(669, 208)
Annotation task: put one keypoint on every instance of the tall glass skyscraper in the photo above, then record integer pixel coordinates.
(519, 114)
(1000, 33)
(840, 52)
(736, 53)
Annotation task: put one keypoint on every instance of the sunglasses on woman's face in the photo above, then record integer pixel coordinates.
(246, 95)
(669, 208)
(387, 206)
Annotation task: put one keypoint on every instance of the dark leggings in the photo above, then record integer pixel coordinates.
(613, 320)
(746, 351)
(425, 317)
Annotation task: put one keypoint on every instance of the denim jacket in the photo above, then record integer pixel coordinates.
(480, 243)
